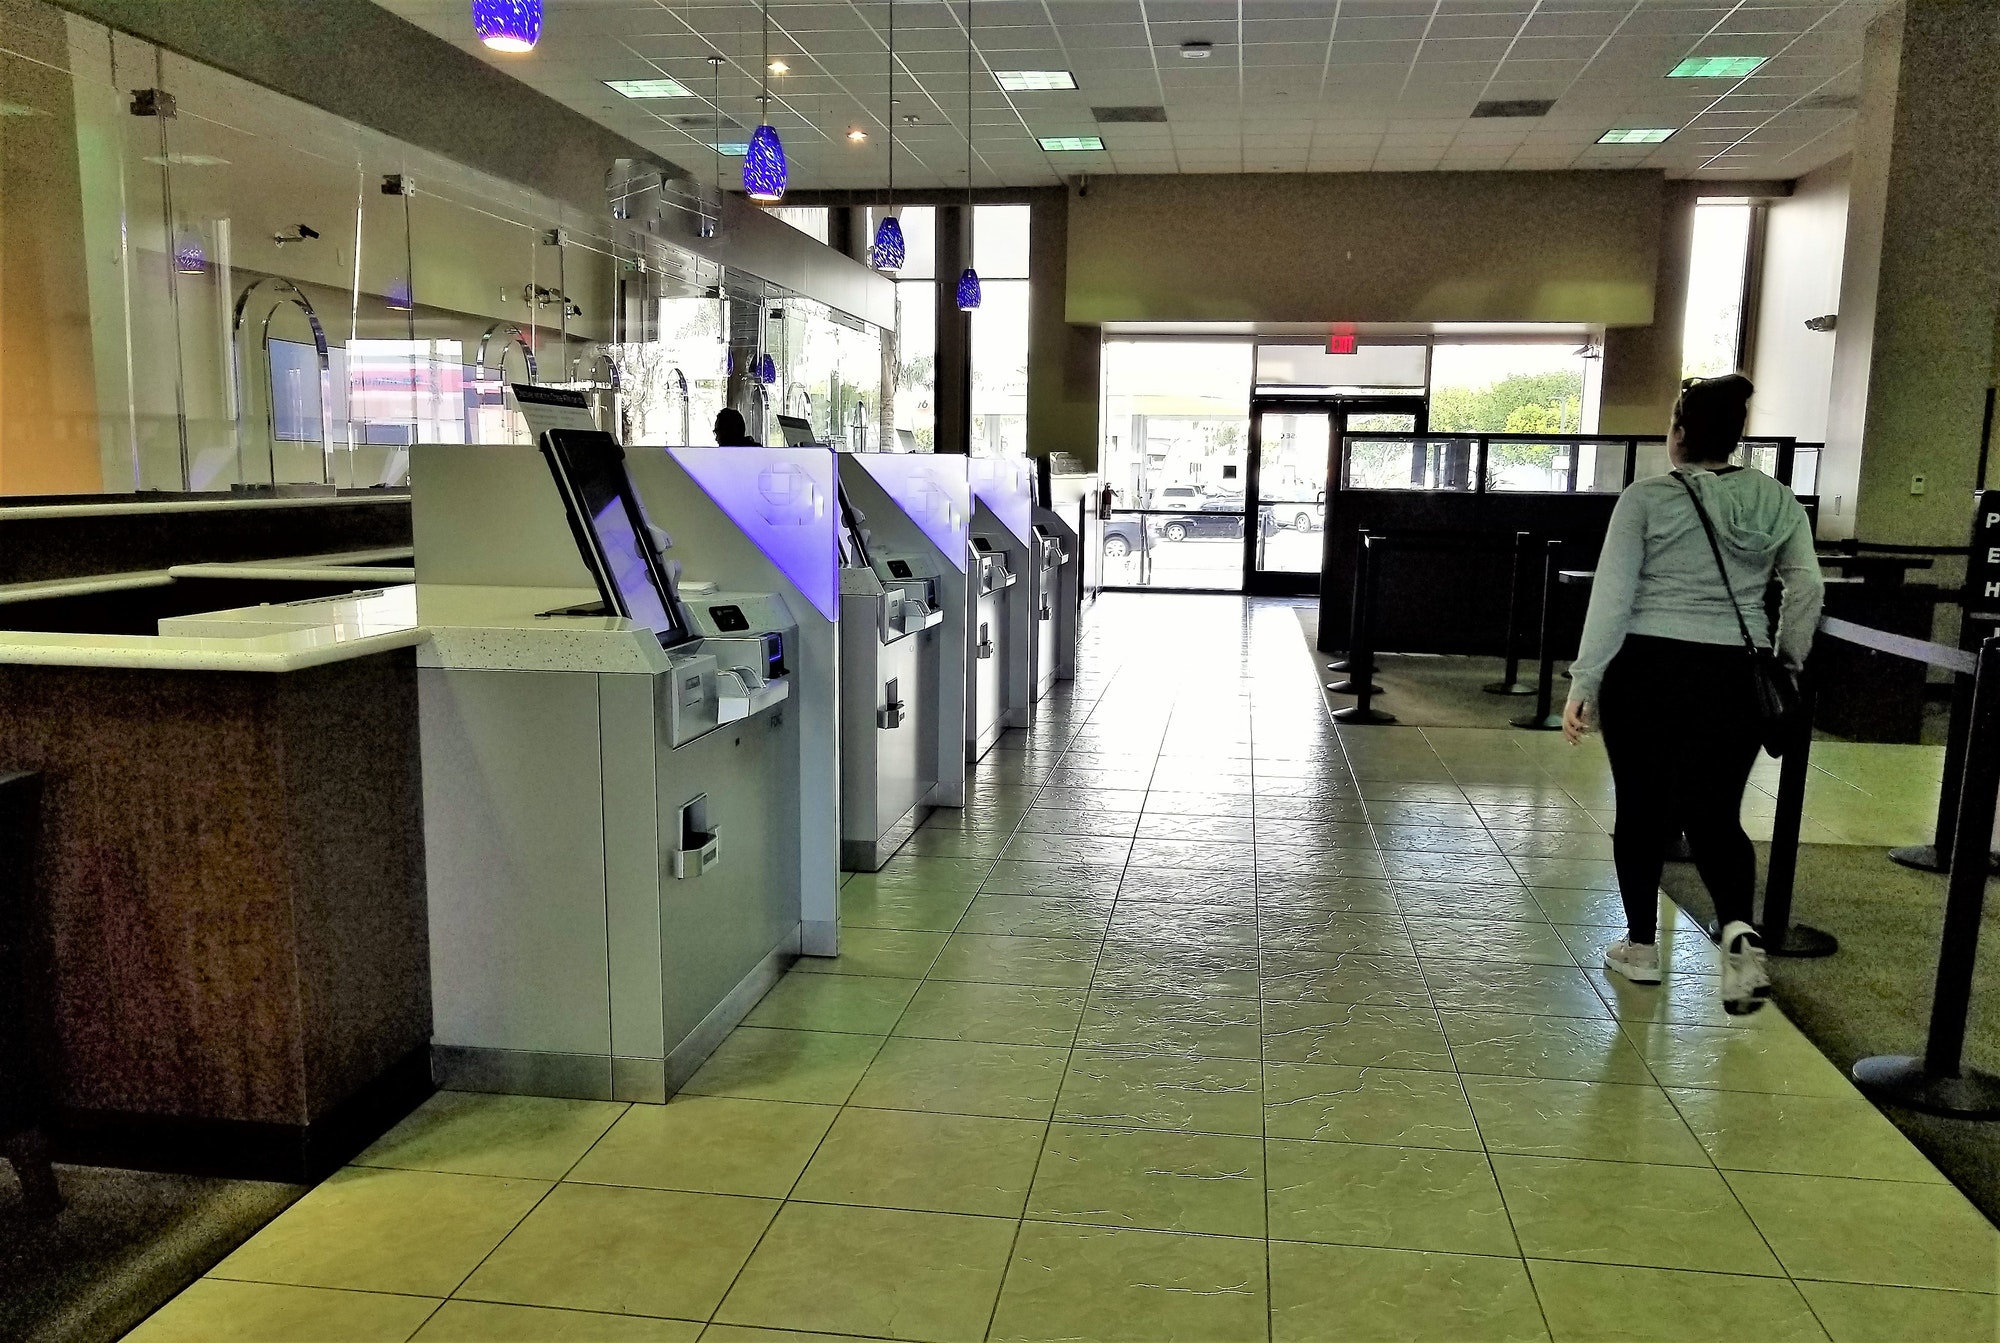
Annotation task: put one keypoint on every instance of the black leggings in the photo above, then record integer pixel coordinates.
(1680, 726)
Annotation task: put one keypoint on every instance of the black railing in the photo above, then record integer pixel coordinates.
(1465, 463)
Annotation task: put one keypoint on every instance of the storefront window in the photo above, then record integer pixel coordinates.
(1712, 339)
(1000, 331)
(1493, 388)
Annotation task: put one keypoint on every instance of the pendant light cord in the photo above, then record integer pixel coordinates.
(892, 107)
(764, 100)
(968, 112)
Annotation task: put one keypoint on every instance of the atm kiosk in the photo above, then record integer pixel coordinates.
(891, 667)
(1001, 620)
(1055, 600)
(914, 510)
(629, 769)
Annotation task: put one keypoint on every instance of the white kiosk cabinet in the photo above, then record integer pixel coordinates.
(902, 632)
(626, 844)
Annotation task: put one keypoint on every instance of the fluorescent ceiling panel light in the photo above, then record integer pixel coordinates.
(735, 149)
(1715, 67)
(1635, 136)
(1034, 81)
(649, 88)
(1067, 144)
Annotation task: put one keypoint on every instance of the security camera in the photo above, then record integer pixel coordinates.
(1083, 184)
(1820, 323)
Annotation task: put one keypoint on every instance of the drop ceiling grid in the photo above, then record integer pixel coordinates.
(1293, 85)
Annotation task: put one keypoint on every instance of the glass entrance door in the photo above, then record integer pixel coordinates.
(1293, 450)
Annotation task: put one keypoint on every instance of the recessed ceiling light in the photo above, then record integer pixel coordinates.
(733, 149)
(20, 110)
(1034, 81)
(1069, 144)
(187, 160)
(1715, 67)
(1197, 49)
(779, 68)
(1635, 136)
(857, 135)
(649, 88)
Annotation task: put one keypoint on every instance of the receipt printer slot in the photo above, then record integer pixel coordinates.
(699, 847)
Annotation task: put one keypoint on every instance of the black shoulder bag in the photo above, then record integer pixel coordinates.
(1774, 693)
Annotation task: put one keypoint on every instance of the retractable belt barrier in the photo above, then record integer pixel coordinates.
(1938, 1082)
(1359, 664)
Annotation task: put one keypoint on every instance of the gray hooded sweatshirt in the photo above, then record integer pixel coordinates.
(1656, 574)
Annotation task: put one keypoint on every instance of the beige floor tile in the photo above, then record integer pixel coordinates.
(858, 1004)
(893, 952)
(216, 1311)
(1408, 1198)
(917, 909)
(1351, 1294)
(1113, 1285)
(1771, 1056)
(491, 1322)
(1163, 1091)
(533, 1137)
(1612, 1212)
(710, 1145)
(995, 959)
(876, 1272)
(1161, 1181)
(960, 1077)
(1853, 1313)
(1598, 1303)
(814, 1067)
(1600, 1121)
(1007, 1014)
(1879, 1231)
(1371, 1105)
(1571, 1048)
(738, 1333)
(1802, 1135)
(378, 1230)
(1359, 1034)
(927, 1162)
(624, 1251)
(1172, 1023)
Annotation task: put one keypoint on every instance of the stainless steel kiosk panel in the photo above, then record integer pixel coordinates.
(620, 853)
(1060, 606)
(1000, 633)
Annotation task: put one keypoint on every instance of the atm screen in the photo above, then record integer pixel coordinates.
(611, 531)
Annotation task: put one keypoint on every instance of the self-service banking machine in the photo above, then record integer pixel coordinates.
(1056, 607)
(628, 722)
(902, 649)
(1000, 625)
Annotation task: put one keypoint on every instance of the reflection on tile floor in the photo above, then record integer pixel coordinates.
(1201, 1022)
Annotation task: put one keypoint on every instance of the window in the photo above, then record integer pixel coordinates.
(1545, 388)
(1000, 331)
(1718, 268)
(912, 408)
(810, 220)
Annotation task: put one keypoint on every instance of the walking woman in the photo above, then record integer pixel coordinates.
(1663, 671)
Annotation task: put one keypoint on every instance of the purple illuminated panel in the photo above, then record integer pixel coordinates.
(1004, 485)
(932, 490)
(783, 499)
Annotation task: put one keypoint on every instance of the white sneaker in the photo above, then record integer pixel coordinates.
(1637, 961)
(1745, 982)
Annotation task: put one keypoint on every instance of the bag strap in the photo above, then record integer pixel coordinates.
(1715, 548)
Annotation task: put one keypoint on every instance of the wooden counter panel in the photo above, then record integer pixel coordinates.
(231, 934)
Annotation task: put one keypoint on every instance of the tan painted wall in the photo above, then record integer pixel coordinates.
(1642, 364)
(1365, 247)
(48, 404)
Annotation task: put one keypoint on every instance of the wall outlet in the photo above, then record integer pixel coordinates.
(1917, 484)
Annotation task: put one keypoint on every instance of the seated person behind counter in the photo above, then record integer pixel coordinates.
(731, 431)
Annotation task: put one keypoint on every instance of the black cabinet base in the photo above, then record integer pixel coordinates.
(236, 1149)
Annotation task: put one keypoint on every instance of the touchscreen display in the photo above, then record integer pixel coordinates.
(610, 529)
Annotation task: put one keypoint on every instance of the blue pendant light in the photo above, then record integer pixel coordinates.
(968, 282)
(767, 370)
(508, 25)
(888, 252)
(764, 160)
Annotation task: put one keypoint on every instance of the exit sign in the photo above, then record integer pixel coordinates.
(1341, 339)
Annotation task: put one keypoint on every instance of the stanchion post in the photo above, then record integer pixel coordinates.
(1346, 661)
(1939, 1083)
(1782, 937)
(1510, 682)
(1936, 856)
(1360, 660)
(1363, 713)
(1546, 717)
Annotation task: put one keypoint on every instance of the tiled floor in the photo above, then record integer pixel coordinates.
(1199, 1023)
